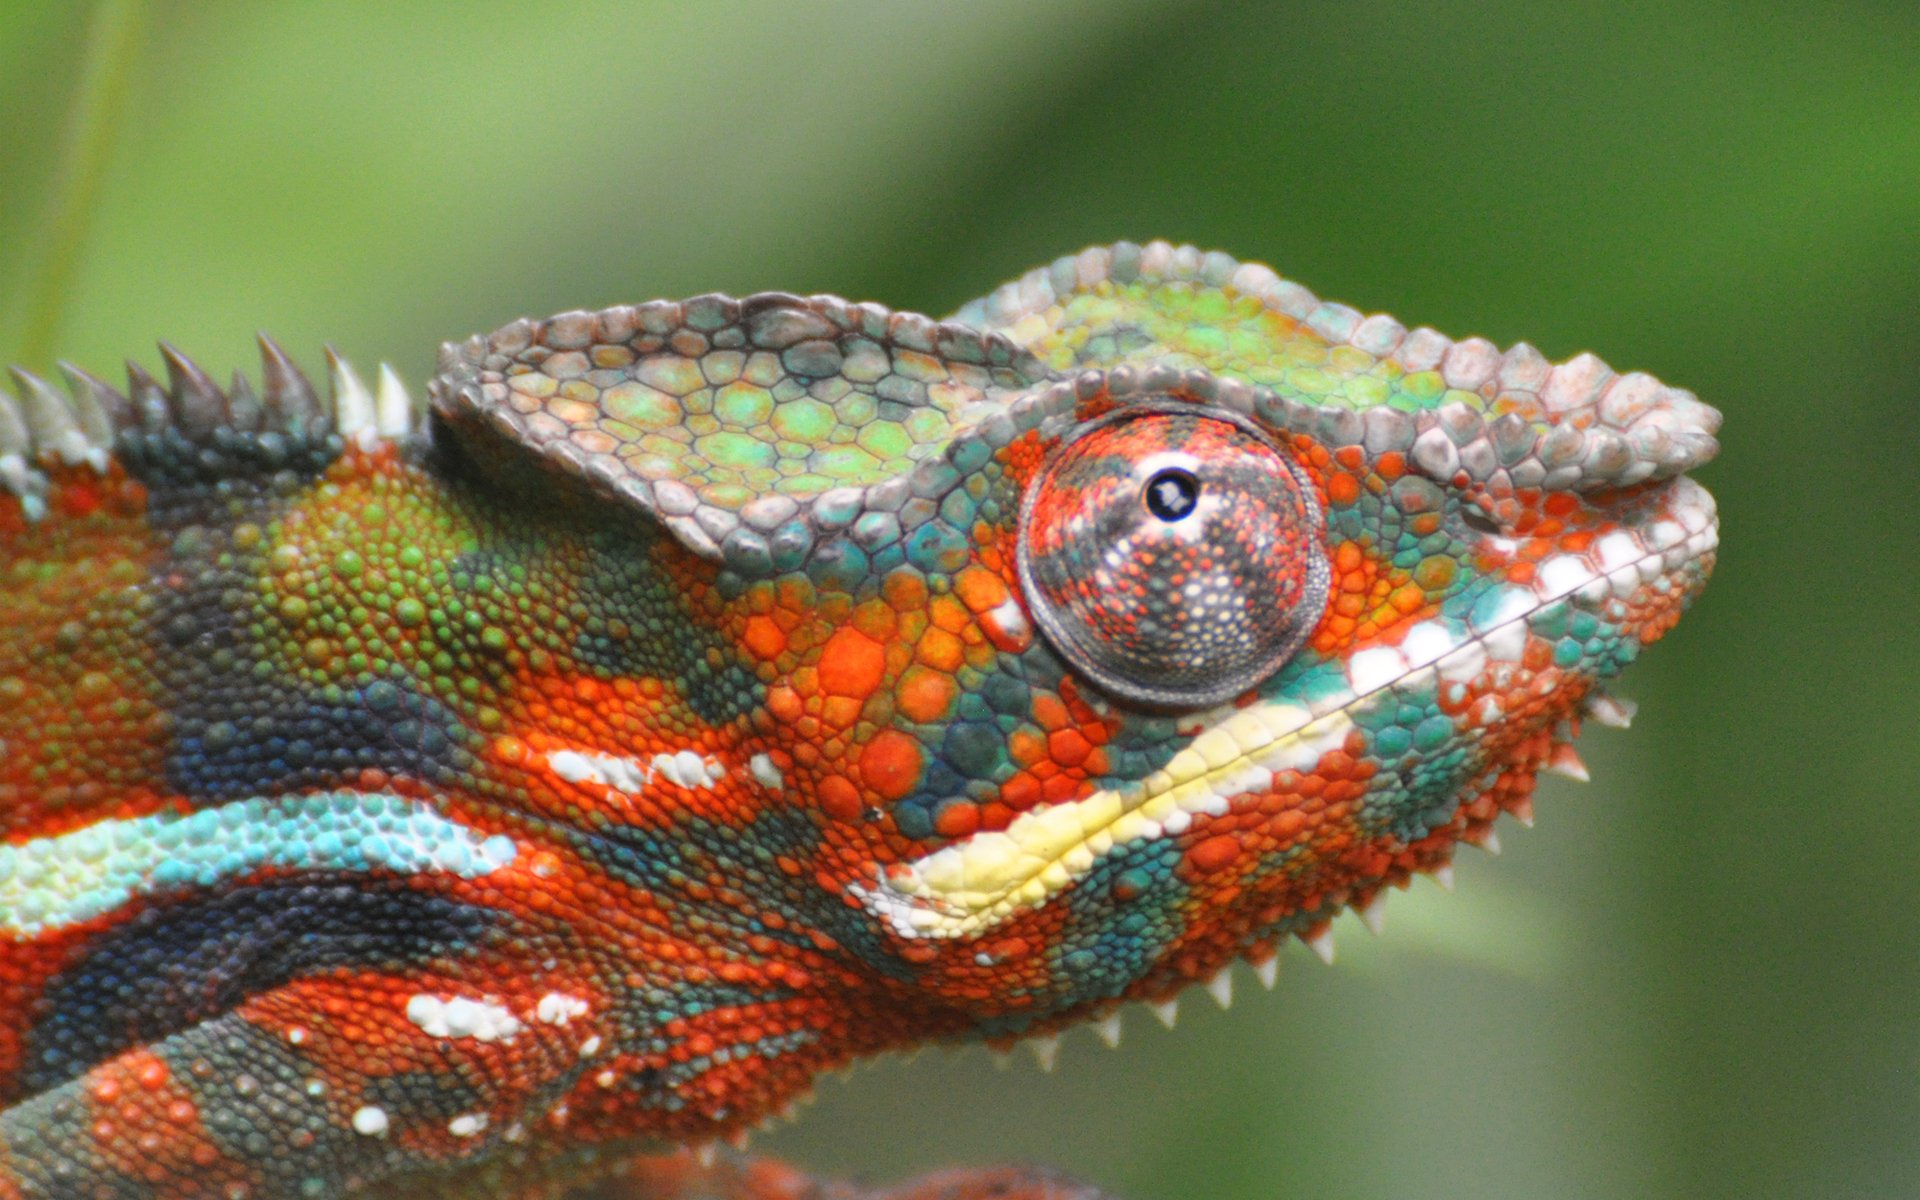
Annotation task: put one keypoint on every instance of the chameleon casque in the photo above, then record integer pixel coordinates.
(506, 794)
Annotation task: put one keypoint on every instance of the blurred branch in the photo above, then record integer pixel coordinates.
(113, 39)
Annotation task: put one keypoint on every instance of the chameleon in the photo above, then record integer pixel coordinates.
(518, 790)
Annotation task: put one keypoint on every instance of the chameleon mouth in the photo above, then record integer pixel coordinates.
(970, 886)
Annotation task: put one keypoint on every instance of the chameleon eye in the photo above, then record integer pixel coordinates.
(1172, 556)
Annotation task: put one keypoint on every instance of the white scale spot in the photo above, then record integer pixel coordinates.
(1425, 643)
(557, 1008)
(620, 774)
(1370, 670)
(687, 768)
(467, 1124)
(370, 1120)
(461, 1017)
(766, 772)
(1011, 620)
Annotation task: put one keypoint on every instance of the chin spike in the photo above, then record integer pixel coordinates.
(1522, 810)
(100, 409)
(1443, 875)
(50, 420)
(739, 1138)
(1612, 711)
(1373, 914)
(1046, 1050)
(705, 1153)
(1167, 1012)
(1490, 842)
(1110, 1029)
(244, 411)
(393, 408)
(1566, 762)
(1267, 971)
(352, 402)
(1220, 987)
(197, 399)
(147, 398)
(1002, 1056)
(15, 442)
(1321, 942)
(285, 389)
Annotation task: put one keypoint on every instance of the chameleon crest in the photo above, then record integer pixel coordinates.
(480, 797)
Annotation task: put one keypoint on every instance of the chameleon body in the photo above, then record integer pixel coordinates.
(489, 796)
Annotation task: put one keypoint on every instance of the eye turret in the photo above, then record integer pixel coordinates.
(1172, 555)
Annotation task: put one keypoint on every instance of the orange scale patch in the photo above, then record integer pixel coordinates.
(957, 820)
(941, 650)
(840, 712)
(852, 664)
(925, 694)
(1027, 746)
(1062, 788)
(980, 589)
(890, 764)
(1019, 793)
(785, 703)
(147, 1125)
(949, 614)
(1317, 457)
(1050, 712)
(763, 638)
(1215, 853)
(1068, 747)
(839, 798)
(905, 591)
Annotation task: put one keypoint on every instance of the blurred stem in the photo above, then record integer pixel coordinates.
(113, 40)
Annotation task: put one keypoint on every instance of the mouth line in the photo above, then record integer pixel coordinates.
(970, 886)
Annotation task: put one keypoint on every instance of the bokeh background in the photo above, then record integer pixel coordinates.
(1700, 975)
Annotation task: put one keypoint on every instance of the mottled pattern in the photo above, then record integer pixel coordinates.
(484, 798)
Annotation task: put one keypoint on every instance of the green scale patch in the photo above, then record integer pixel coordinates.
(1189, 325)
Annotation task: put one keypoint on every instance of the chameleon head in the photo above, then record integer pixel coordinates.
(1148, 613)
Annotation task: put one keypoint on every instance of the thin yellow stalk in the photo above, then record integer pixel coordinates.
(114, 34)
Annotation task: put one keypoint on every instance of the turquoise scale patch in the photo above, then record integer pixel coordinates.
(53, 882)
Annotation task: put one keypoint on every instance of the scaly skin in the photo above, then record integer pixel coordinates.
(485, 801)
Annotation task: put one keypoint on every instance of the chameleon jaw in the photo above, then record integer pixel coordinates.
(967, 888)
(970, 886)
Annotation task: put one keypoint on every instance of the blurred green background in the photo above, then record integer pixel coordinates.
(1700, 975)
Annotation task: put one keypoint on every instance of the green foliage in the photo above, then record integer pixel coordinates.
(1697, 977)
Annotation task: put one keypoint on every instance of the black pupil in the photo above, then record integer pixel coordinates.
(1172, 493)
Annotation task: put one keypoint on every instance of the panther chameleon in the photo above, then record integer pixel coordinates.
(516, 792)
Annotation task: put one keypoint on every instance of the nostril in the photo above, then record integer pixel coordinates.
(1480, 520)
